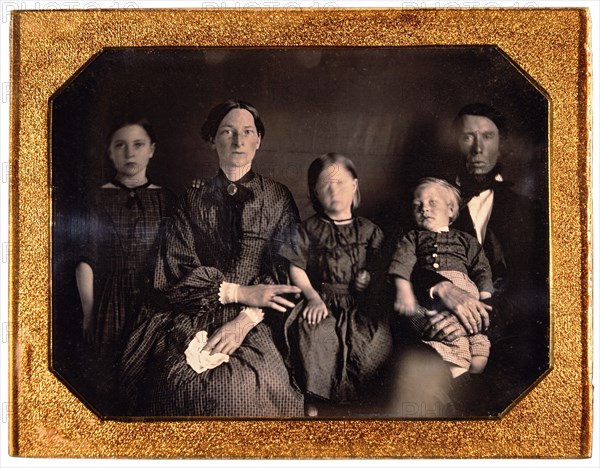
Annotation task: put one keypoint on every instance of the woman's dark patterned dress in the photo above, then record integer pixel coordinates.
(338, 358)
(120, 244)
(193, 262)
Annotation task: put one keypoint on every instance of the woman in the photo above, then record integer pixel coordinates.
(118, 252)
(219, 269)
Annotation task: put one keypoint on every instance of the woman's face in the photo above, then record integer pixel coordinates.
(236, 140)
(431, 208)
(335, 190)
(130, 151)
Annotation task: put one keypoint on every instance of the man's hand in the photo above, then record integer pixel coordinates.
(472, 314)
(443, 326)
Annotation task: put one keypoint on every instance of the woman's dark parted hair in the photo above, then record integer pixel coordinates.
(217, 113)
(126, 122)
(483, 110)
(318, 166)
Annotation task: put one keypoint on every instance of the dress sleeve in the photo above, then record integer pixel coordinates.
(179, 273)
(87, 231)
(296, 252)
(375, 250)
(479, 269)
(275, 268)
(404, 257)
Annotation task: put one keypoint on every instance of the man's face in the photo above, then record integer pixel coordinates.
(479, 143)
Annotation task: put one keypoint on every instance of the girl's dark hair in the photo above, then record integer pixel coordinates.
(217, 113)
(127, 121)
(318, 166)
(134, 119)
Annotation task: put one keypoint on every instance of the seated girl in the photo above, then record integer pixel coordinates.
(336, 347)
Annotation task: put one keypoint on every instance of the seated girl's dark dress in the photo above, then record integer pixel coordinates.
(338, 358)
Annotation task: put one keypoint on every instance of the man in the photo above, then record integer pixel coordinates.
(515, 238)
(514, 235)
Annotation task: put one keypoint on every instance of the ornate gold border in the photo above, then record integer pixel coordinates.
(551, 45)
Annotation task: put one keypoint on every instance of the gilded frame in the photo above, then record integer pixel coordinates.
(552, 420)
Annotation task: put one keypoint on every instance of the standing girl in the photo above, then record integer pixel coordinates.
(335, 346)
(118, 252)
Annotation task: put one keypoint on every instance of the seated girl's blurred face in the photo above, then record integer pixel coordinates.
(237, 139)
(130, 150)
(335, 190)
(431, 208)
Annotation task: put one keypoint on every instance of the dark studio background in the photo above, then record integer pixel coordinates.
(388, 109)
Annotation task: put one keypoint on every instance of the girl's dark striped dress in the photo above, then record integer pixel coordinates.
(120, 243)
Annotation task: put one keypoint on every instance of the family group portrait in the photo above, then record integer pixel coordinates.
(300, 233)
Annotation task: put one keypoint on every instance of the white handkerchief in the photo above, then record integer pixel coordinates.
(199, 360)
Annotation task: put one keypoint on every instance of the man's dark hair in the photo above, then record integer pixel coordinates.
(483, 110)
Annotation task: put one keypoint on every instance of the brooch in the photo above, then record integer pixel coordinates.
(232, 189)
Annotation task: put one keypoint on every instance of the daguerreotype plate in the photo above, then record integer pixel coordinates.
(382, 87)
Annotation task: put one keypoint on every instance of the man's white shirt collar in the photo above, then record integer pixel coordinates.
(480, 209)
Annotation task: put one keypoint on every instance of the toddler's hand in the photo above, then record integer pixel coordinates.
(405, 305)
(315, 311)
(362, 280)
